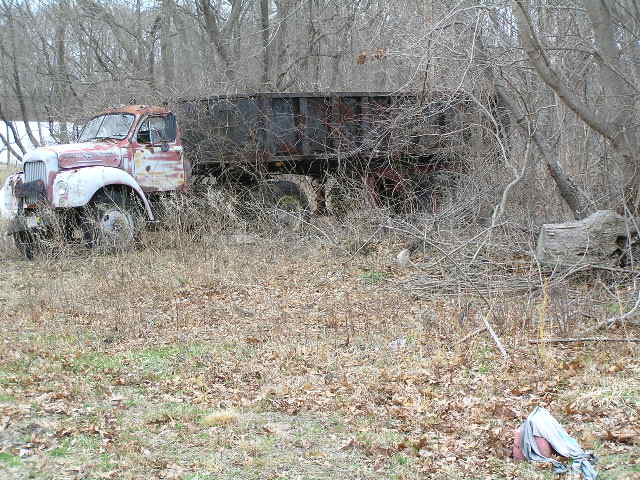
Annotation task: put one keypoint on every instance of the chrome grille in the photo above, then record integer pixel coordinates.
(34, 171)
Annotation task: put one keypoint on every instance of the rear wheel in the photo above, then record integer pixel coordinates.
(112, 221)
(287, 203)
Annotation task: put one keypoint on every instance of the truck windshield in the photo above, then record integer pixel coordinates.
(112, 125)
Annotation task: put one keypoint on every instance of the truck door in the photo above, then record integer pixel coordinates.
(157, 162)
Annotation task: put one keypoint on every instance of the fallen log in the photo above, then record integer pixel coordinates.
(587, 339)
(603, 238)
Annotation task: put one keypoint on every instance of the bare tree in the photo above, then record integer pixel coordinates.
(219, 28)
(11, 54)
(613, 115)
(166, 43)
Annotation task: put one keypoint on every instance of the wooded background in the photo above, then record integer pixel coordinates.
(566, 72)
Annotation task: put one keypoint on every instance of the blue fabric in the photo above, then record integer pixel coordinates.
(540, 423)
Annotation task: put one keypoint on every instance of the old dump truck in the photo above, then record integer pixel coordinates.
(127, 158)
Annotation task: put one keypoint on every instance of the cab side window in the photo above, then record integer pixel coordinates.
(157, 129)
(144, 135)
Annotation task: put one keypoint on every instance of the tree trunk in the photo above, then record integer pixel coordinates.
(603, 238)
(619, 129)
(17, 83)
(264, 24)
(166, 44)
(60, 79)
(577, 202)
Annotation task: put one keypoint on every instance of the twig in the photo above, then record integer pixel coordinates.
(493, 334)
(586, 339)
(446, 255)
(609, 322)
(474, 286)
(472, 334)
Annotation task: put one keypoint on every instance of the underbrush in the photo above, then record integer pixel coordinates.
(229, 347)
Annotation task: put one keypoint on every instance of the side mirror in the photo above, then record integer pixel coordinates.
(76, 130)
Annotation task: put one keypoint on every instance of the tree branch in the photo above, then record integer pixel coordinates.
(586, 339)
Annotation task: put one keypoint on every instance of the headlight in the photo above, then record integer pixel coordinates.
(61, 188)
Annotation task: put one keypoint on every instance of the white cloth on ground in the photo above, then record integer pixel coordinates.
(540, 423)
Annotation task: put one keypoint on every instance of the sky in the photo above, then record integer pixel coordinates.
(5, 157)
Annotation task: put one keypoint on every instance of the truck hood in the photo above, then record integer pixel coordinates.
(85, 154)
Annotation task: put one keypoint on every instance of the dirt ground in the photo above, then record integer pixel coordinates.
(285, 357)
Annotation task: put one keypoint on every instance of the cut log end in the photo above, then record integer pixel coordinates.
(603, 238)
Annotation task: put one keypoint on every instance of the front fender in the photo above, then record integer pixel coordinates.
(76, 188)
(8, 202)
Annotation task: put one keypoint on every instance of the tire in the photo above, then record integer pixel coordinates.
(406, 195)
(68, 227)
(345, 195)
(287, 204)
(112, 222)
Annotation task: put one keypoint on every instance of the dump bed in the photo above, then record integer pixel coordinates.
(307, 127)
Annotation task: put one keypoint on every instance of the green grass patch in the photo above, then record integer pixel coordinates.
(10, 460)
(163, 360)
(485, 360)
(106, 463)
(173, 412)
(63, 450)
(96, 362)
(86, 442)
(372, 277)
(16, 367)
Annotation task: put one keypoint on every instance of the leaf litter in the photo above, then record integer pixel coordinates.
(283, 367)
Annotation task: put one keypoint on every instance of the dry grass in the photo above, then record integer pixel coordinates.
(5, 171)
(221, 417)
(219, 354)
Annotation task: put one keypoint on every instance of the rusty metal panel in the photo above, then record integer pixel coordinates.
(283, 126)
(348, 119)
(317, 124)
(277, 127)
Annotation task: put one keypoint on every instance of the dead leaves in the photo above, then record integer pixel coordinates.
(380, 454)
(378, 54)
(437, 405)
(500, 410)
(627, 435)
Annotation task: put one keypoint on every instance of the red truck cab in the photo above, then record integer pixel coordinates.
(148, 141)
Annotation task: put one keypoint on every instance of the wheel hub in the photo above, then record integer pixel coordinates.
(288, 211)
(116, 227)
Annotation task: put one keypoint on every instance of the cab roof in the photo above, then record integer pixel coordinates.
(136, 109)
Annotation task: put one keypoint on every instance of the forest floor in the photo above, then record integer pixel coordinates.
(284, 357)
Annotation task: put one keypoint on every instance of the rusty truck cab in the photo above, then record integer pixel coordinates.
(154, 155)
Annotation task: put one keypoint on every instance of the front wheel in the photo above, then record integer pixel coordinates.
(26, 243)
(112, 222)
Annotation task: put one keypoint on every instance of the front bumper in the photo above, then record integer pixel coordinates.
(21, 223)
